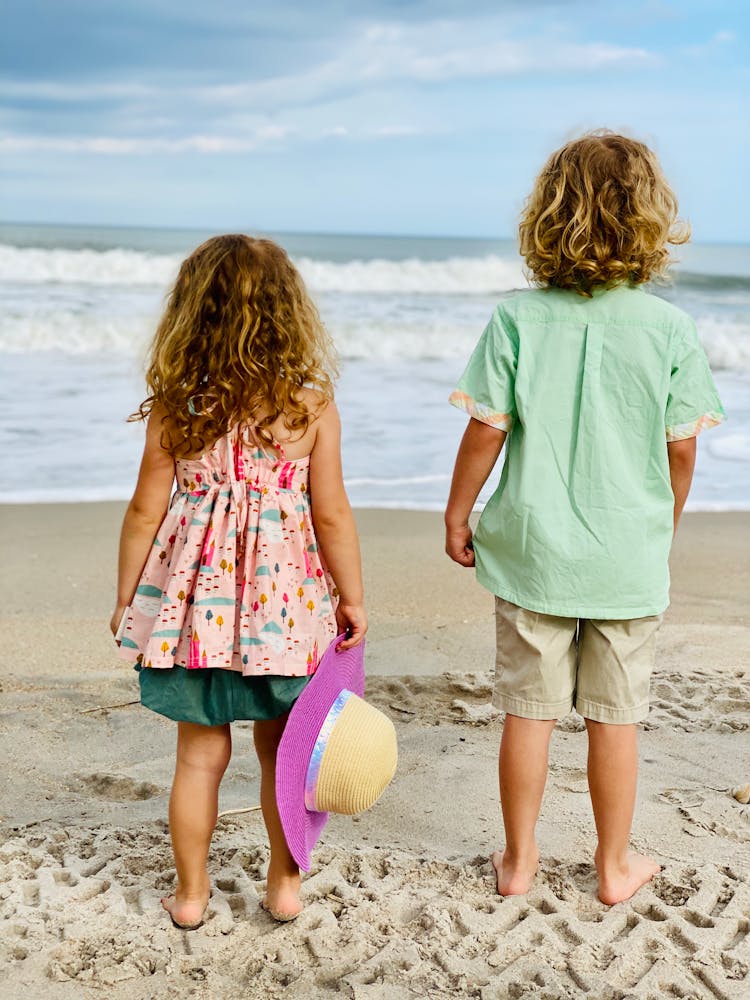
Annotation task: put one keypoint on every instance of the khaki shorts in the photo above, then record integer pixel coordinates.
(545, 665)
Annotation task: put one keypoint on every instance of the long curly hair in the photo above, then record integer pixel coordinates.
(238, 341)
(601, 214)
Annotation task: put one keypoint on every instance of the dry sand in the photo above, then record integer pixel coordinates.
(400, 902)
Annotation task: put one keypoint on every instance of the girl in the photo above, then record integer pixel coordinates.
(226, 595)
(600, 390)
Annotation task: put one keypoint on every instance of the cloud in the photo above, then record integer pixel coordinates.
(143, 145)
(396, 131)
(387, 57)
(179, 81)
(511, 58)
(717, 44)
(368, 54)
(102, 39)
(58, 92)
(343, 89)
(335, 131)
(264, 137)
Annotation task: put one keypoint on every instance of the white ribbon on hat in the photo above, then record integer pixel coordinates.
(316, 757)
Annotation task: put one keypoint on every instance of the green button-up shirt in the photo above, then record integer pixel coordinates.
(590, 391)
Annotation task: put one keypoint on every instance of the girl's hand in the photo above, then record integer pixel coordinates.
(116, 618)
(351, 618)
(459, 546)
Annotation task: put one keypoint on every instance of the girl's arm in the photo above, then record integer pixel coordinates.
(334, 525)
(479, 450)
(144, 514)
(681, 464)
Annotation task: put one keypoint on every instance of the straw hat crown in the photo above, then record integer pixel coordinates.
(359, 759)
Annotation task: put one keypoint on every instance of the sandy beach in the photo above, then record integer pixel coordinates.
(400, 902)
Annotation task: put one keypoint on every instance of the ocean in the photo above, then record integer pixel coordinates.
(80, 304)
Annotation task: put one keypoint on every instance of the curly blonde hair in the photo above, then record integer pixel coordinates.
(238, 342)
(601, 214)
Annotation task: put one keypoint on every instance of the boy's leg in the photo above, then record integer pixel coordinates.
(615, 663)
(203, 753)
(613, 773)
(283, 882)
(534, 680)
(524, 750)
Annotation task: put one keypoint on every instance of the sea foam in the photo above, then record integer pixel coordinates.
(368, 332)
(107, 301)
(454, 276)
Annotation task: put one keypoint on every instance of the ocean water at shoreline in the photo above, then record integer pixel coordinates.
(80, 304)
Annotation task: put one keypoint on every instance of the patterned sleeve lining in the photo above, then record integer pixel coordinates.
(502, 421)
(680, 432)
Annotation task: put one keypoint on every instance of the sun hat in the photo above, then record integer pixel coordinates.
(337, 753)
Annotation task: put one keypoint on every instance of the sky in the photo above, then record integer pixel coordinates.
(415, 117)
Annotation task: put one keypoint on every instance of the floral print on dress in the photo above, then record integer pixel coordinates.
(234, 578)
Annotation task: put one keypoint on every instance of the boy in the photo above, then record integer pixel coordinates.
(600, 390)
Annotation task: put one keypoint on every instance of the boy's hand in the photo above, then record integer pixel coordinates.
(459, 546)
(352, 619)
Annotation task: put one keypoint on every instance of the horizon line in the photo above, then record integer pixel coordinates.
(310, 232)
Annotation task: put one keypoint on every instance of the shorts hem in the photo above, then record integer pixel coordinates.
(531, 709)
(178, 716)
(614, 716)
(200, 719)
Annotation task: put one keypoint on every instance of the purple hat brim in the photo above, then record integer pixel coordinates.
(337, 671)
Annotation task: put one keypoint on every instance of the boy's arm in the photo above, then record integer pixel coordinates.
(479, 450)
(681, 464)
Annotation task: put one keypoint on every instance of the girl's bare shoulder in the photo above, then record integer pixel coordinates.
(315, 401)
(298, 442)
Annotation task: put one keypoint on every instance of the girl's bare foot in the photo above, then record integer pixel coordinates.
(282, 897)
(514, 878)
(618, 883)
(187, 909)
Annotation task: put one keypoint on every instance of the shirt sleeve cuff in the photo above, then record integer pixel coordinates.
(680, 432)
(502, 421)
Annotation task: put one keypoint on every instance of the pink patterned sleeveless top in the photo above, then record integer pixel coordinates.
(234, 578)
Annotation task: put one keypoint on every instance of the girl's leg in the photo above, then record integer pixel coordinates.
(203, 753)
(283, 882)
(523, 773)
(613, 775)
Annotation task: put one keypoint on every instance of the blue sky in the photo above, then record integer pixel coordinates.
(423, 116)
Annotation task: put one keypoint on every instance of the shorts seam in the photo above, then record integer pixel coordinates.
(507, 703)
(591, 709)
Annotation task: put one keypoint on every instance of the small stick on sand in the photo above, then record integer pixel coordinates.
(27, 826)
(237, 812)
(397, 708)
(103, 708)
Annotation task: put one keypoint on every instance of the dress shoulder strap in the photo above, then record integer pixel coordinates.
(249, 435)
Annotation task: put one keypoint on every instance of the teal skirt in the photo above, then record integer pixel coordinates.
(213, 697)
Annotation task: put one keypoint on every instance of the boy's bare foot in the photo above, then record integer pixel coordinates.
(282, 897)
(616, 884)
(187, 909)
(514, 879)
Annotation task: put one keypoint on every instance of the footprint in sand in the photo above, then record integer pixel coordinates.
(118, 789)
(390, 924)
